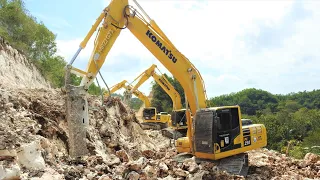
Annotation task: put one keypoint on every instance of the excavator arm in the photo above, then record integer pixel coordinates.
(163, 119)
(141, 96)
(163, 82)
(136, 92)
(116, 87)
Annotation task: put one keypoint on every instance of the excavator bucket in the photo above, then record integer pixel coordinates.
(77, 117)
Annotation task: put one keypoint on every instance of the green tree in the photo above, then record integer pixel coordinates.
(250, 100)
(52, 68)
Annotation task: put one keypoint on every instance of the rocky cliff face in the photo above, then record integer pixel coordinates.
(16, 71)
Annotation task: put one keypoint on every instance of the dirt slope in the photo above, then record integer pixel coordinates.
(17, 71)
(38, 116)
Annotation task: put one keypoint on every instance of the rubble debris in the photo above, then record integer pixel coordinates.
(138, 165)
(10, 171)
(268, 164)
(29, 156)
(311, 158)
(123, 156)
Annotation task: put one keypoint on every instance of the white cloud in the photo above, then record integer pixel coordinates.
(216, 35)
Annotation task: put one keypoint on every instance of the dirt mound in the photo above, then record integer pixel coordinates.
(266, 164)
(35, 119)
(34, 145)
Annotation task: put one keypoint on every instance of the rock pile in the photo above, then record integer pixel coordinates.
(268, 164)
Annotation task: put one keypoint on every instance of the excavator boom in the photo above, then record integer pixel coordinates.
(164, 84)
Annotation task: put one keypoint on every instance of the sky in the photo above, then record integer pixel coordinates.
(270, 45)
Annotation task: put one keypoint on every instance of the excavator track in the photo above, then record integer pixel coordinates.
(235, 165)
(154, 126)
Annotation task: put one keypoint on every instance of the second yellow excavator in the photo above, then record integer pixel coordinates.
(149, 113)
(177, 127)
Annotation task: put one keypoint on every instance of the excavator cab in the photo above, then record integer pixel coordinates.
(222, 125)
(219, 135)
(179, 119)
(149, 114)
(177, 125)
(218, 132)
(154, 120)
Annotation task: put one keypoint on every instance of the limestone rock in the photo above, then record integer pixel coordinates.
(123, 156)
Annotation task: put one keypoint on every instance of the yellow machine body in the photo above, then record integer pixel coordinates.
(225, 136)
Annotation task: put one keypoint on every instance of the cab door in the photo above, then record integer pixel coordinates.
(204, 133)
(228, 128)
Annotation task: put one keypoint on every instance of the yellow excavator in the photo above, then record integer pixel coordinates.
(177, 128)
(149, 113)
(214, 133)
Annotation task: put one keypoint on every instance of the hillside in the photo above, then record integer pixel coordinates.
(254, 101)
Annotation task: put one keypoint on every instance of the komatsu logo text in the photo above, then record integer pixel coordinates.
(106, 40)
(103, 45)
(163, 48)
(164, 84)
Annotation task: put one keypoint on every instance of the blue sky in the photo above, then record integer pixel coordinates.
(270, 45)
